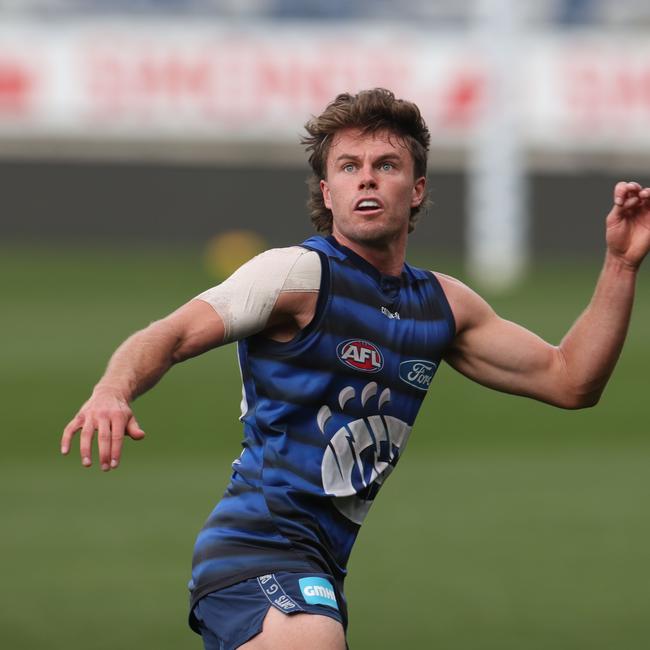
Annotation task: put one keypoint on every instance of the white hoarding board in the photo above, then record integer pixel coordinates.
(168, 81)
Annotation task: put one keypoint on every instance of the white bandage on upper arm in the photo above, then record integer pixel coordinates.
(246, 299)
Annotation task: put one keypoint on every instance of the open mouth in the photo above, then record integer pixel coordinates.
(368, 205)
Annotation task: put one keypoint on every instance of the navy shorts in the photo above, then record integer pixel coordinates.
(229, 617)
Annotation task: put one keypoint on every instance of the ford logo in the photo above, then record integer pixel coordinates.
(417, 372)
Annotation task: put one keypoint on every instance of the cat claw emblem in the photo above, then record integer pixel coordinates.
(362, 453)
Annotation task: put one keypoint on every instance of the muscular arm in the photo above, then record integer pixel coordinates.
(249, 303)
(506, 356)
(137, 365)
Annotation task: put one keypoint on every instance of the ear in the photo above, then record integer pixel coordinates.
(419, 188)
(327, 199)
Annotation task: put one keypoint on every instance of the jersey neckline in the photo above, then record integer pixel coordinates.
(387, 283)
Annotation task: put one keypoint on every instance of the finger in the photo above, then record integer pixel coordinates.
(133, 429)
(117, 437)
(104, 443)
(630, 202)
(633, 186)
(620, 192)
(72, 427)
(86, 442)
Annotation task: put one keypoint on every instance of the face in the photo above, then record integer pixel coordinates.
(370, 188)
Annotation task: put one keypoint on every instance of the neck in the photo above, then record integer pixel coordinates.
(387, 257)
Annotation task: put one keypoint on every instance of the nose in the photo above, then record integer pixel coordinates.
(368, 180)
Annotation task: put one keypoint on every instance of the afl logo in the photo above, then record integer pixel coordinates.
(360, 355)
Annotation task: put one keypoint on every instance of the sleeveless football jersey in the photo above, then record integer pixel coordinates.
(326, 418)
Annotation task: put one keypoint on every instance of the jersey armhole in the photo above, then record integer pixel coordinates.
(446, 307)
(323, 296)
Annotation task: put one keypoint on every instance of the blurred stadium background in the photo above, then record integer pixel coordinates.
(146, 145)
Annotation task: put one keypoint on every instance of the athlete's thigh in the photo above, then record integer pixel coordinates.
(297, 632)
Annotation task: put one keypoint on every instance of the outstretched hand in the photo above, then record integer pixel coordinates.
(108, 414)
(628, 223)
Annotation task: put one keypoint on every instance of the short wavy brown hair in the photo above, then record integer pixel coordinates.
(370, 111)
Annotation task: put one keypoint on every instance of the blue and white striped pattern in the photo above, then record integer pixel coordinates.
(321, 433)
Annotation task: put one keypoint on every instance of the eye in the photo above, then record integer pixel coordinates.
(387, 166)
(348, 167)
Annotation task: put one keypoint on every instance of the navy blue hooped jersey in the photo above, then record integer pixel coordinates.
(326, 418)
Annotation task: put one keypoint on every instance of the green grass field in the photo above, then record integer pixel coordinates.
(508, 525)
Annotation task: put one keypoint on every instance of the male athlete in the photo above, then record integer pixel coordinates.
(339, 340)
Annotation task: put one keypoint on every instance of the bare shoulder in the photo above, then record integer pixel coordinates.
(448, 282)
(467, 306)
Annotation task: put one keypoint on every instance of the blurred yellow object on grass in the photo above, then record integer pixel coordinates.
(226, 252)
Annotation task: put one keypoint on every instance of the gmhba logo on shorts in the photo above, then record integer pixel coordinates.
(318, 591)
(417, 372)
(360, 355)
